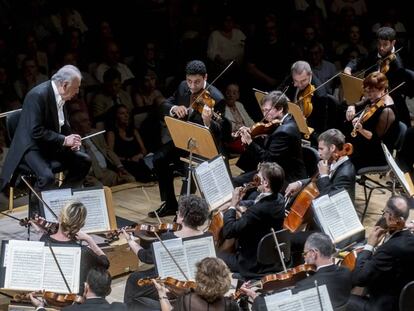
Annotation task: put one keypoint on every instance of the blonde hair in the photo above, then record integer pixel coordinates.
(213, 279)
(72, 218)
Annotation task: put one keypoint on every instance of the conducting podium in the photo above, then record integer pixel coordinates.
(194, 138)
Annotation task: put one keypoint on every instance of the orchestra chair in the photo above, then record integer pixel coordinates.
(267, 252)
(368, 183)
(311, 159)
(406, 301)
(12, 120)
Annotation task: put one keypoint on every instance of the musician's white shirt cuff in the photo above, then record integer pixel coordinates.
(368, 247)
(323, 175)
(232, 207)
(172, 114)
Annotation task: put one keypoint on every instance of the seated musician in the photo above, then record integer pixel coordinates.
(380, 124)
(192, 213)
(97, 287)
(71, 220)
(282, 145)
(213, 280)
(267, 212)
(384, 269)
(336, 171)
(318, 251)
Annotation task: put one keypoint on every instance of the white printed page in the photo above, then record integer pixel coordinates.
(24, 267)
(97, 218)
(198, 249)
(56, 199)
(165, 265)
(69, 259)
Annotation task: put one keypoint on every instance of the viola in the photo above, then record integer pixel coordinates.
(305, 99)
(346, 150)
(52, 299)
(349, 259)
(367, 113)
(385, 63)
(264, 128)
(288, 278)
(137, 228)
(168, 281)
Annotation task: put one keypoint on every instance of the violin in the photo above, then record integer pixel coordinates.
(346, 150)
(288, 278)
(48, 226)
(52, 299)
(256, 181)
(199, 100)
(305, 99)
(168, 281)
(135, 229)
(385, 63)
(262, 128)
(367, 113)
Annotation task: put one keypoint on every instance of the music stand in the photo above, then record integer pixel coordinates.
(193, 138)
(404, 179)
(352, 88)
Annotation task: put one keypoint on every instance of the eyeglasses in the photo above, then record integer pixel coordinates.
(309, 250)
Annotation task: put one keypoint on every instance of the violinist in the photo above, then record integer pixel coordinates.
(267, 212)
(282, 145)
(97, 287)
(318, 251)
(336, 171)
(180, 105)
(213, 281)
(306, 94)
(71, 220)
(193, 212)
(387, 61)
(384, 270)
(376, 123)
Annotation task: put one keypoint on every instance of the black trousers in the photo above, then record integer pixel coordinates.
(76, 165)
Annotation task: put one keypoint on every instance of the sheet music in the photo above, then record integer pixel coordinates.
(56, 199)
(198, 249)
(94, 201)
(69, 261)
(337, 216)
(306, 300)
(214, 181)
(165, 265)
(97, 218)
(24, 267)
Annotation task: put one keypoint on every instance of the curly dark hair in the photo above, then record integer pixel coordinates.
(194, 210)
(195, 67)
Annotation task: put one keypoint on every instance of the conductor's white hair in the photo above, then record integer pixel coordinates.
(67, 74)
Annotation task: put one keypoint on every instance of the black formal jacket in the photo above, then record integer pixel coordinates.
(337, 280)
(385, 272)
(95, 304)
(221, 129)
(255, 223)
(342, 178)
(283, 146)
(38, 129)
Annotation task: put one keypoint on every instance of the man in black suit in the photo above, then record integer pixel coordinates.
(386, 60)
(384, 270)
(180, 105)
(282, 145)
(43, 134)
(336, 171)
(318, 251)
(267, 212)
(97, 287)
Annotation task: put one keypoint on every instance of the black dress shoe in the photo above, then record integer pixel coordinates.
(163, 210)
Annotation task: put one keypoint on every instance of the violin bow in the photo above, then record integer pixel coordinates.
(319, 295)
(39, 197)
(6, 113)
(362, 72)
(171, 256)
(274, 105)
(12, 217)
(281, 255)
(211, 84)
(59, 267)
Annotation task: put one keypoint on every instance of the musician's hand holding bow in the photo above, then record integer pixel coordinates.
(73, 141)
(350, 112)
(207, 115)
(180, 111)
(38, 302)
(293, 188)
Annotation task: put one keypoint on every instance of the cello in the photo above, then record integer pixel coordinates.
(300, 212)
